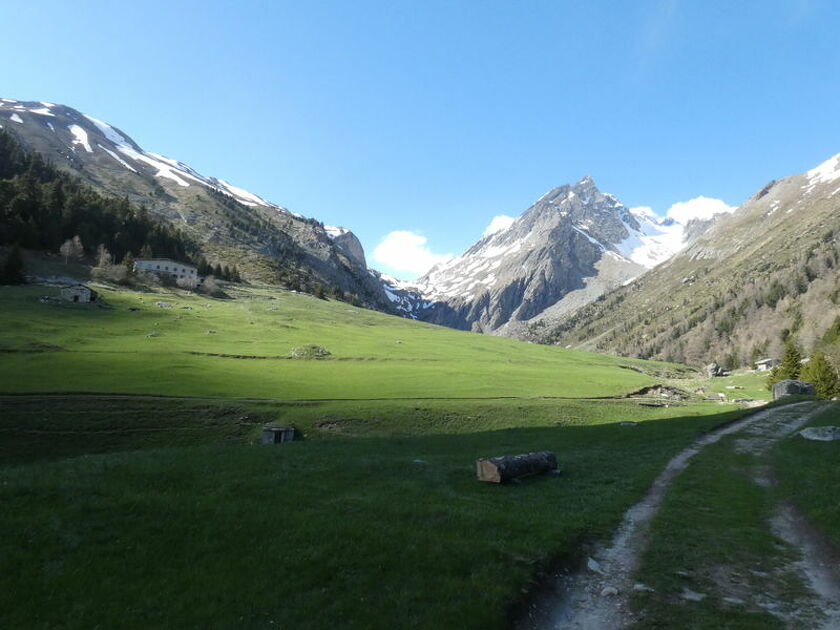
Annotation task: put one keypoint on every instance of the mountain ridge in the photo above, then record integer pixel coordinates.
(267, 241)
(757, 277)
(569, 247)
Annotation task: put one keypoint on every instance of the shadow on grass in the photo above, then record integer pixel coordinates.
(350, 530)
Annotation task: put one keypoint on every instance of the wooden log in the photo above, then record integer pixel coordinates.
(502, 469)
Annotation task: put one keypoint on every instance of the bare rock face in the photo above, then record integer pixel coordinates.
(349, 244)
(793, 388)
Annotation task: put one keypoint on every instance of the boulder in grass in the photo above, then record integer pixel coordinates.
(821, 434)
(713, 370)
(310, 352)
(790, 387)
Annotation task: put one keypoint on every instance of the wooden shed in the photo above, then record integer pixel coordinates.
(277, 435)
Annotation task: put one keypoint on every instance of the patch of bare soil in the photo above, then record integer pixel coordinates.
(596, 597)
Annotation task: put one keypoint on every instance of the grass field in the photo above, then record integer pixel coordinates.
(374, 532)
(744, 384)
(148, 504)
(63, 347)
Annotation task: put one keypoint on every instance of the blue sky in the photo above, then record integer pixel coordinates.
(433, 117)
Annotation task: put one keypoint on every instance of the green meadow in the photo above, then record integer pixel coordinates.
(136, 494)
(239, 347)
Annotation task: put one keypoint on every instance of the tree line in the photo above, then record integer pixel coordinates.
(43, 208)
(817, 370)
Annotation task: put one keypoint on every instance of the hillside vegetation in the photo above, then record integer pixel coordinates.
(766, 274)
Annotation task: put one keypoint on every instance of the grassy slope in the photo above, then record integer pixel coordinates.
(701, 305)
(374, 355)
(746, 384)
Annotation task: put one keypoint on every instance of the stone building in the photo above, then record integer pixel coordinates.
(78, 293)
(167, 269)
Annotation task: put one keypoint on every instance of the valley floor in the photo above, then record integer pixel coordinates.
(135, 493)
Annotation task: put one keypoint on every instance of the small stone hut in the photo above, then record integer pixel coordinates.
(78, 293)
(277, 435)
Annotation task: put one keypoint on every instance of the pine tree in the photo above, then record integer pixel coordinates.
(128, 262)
(791, 362)
(789, 367)
(11, 272)
(217, 271)
(822, 374)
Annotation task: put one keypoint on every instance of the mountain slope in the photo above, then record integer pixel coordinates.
(755, 277)
(233, 225)
(574, 244)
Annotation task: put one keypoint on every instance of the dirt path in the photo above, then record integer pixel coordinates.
(817, 566)
(596, 597)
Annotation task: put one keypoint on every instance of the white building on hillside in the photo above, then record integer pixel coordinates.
(763, 365)
(166, 268)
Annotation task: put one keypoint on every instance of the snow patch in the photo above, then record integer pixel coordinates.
(16, 118)
(117, 158)
(583, 231)
(243, 196)
(334, 232)
(826, 172)
(178, 171)
(80, 137)
(654, 242)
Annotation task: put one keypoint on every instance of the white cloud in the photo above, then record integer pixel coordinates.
(697, 208)
(407, 252)
(499, 223)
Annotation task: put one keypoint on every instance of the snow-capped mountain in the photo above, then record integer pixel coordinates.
(755, 278)
(234, 225)
(83, 134)
(571, 246)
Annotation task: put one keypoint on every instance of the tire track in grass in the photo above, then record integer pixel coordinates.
(596, 597)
